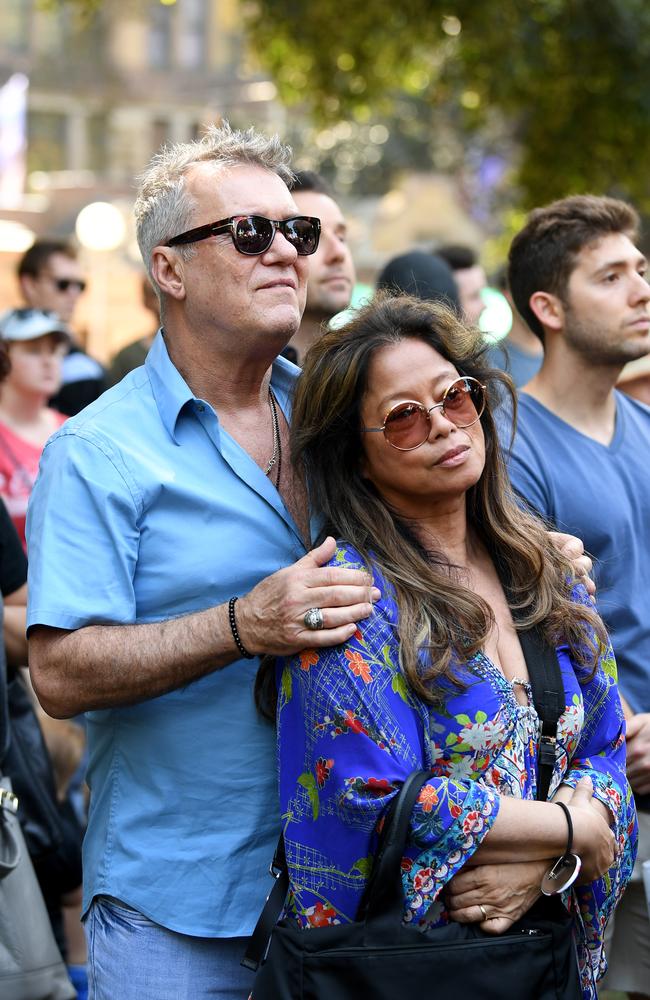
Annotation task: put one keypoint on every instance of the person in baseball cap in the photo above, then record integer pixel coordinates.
(33, 344)
(30, 324)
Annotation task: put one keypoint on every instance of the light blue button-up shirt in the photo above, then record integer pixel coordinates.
(146, 509)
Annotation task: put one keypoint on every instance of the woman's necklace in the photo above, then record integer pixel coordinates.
(276, 457)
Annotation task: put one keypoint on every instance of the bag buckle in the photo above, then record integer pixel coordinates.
(278, 864)
(8, 800)
(547, 751)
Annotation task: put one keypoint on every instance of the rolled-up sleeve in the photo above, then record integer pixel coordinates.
(82, 533)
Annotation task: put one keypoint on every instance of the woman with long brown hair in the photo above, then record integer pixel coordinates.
(393, 423)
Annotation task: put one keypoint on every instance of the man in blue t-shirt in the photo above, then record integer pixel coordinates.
(581, 458)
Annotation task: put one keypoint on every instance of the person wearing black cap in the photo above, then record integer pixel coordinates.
(423, 275)
(34, 342)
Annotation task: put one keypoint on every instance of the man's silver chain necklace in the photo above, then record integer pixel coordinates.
(276, 457)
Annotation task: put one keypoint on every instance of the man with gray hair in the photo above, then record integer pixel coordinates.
(169, 538)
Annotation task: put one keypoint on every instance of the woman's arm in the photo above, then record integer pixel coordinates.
(527, 830)
(600, 754)
(505, 891)
(350, 732)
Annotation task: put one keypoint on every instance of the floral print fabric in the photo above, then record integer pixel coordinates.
(350, 730)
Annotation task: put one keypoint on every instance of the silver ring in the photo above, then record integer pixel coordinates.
(314, 619)
(482, 909)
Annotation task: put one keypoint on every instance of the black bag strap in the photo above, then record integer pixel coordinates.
(258, 942)
(548, 698)
(382, 904)
(384, 889)
(4, 706)
(383, 897)
(546, 683)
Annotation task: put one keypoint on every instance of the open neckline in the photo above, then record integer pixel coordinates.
(507, 686)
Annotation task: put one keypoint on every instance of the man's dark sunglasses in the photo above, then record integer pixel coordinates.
(63, 284)
(254, 234)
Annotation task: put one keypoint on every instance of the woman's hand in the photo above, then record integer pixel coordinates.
(593, 840)
(496, 895)
(504, 892)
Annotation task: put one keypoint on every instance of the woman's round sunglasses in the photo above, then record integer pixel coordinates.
(407, 425)
(254, 234)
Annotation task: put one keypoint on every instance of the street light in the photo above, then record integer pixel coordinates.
(14, 237)
(100, 228)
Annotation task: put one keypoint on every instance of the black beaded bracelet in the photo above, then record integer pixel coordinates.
(235, 631)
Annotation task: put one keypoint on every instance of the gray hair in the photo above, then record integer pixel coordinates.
(164, 207)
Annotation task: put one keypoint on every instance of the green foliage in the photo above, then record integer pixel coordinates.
(567, 78)
(287, 684)
(308, 782)
(363, 866)
(399, 686)
(83, 9)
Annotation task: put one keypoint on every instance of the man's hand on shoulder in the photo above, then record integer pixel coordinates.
(638, 752)
(270, 619)
(572, 548)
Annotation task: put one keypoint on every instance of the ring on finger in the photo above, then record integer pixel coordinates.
(482, 909)
(313, 619)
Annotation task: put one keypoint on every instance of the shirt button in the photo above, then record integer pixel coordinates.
(200, 407)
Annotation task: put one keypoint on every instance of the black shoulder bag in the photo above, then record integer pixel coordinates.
(31, 967)
(379, 956)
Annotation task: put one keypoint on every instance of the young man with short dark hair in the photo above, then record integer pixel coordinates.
(51, 279)
(581, 459)
(469, 276)
(331, 270)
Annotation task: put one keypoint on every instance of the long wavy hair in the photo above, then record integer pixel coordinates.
(441, 621)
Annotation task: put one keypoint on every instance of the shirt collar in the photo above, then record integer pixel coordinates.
(171, 392)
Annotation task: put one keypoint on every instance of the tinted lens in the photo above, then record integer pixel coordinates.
(253, 234)
(407, 426)
(303, 234)
(464, 402)
(63, 284)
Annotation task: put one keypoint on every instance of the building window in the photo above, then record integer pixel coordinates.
(97, 142)
(192, 34)
(160, 36)
(46, 141)
(14, 25)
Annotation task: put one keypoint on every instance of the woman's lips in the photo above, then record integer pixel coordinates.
(454, 456)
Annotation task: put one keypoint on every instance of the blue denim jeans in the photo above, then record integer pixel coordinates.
(131, 958)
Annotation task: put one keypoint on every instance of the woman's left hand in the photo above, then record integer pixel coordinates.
(494, 896)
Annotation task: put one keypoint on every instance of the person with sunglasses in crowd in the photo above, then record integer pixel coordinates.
(168, 535)
(50, 278)
(393, 423)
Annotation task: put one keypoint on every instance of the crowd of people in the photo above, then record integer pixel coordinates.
(275, 568)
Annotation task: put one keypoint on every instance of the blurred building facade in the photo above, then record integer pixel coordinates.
(104, 93)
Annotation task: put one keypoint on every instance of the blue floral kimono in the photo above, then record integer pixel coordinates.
(350, 730)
